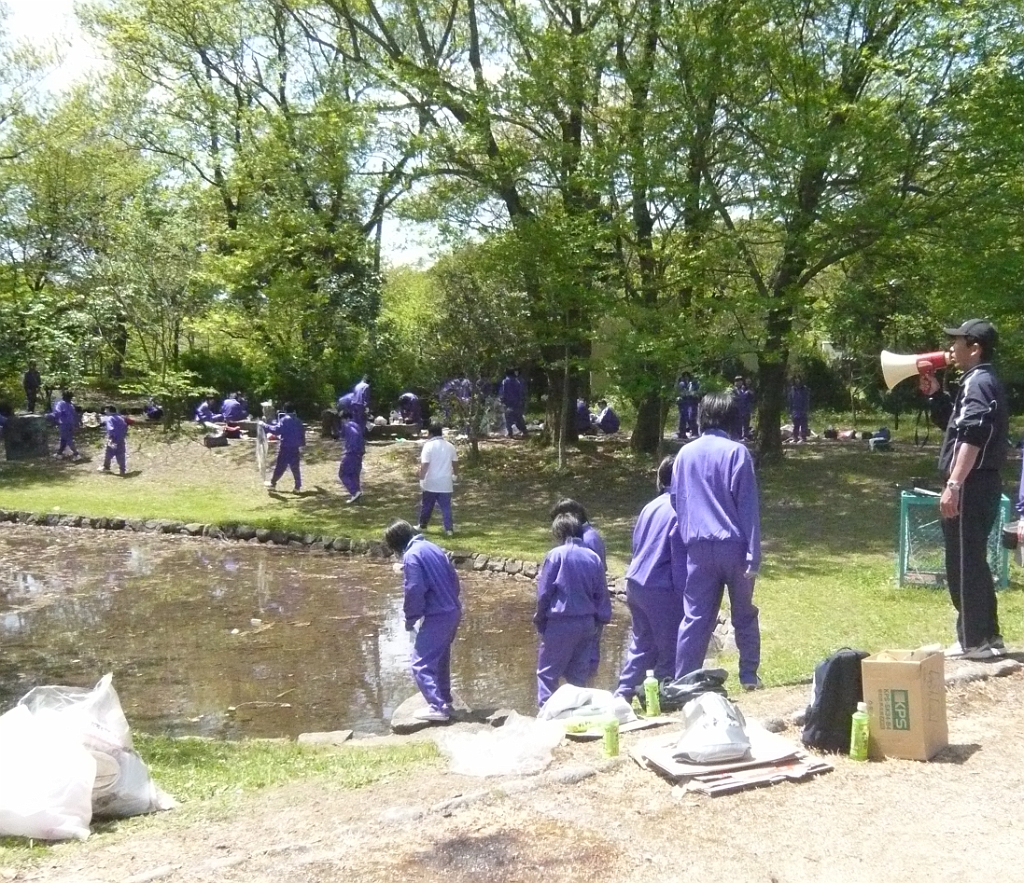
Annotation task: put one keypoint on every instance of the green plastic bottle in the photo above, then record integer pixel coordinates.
(611, 737)
(859, 733)
(651, 694)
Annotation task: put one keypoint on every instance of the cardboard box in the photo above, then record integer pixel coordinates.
(905, 691)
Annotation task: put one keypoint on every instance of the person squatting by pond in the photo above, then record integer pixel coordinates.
(716, 503)
(292, 433)
(353, 437)
(573, 604)
(655, 581)
(431, 589)
(116, 428)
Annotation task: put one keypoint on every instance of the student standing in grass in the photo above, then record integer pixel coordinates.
(431, 588)
(439, 464)
(513, 399)
(745, 398)
(116, 428)
(716, 501)
(800, 409)
(655, 582)
(573, 605)
(292, 433)
(31, 382)
(973, 453)
(352, 460)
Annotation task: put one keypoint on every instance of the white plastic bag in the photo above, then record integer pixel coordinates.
(94, 717)
(522, 746)
(569, 701)
(46, 780)
(713, 731)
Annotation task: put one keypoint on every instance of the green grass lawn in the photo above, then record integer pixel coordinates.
(829, 514)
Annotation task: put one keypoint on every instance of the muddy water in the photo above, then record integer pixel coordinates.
(234, 640)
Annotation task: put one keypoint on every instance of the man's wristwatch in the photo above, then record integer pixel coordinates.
(954, 485)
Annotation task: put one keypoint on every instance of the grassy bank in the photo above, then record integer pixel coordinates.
(829, 520)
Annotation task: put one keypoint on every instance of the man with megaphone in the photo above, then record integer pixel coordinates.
(973, 452)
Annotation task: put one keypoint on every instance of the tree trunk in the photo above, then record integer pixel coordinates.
(650, 421)
(120, 347)
(771, 377)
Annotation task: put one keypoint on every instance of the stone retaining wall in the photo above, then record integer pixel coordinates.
(277, 537)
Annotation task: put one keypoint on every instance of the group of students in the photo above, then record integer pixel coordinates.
(699, 537)
(688, 395)
(605, 420)
(233, 409)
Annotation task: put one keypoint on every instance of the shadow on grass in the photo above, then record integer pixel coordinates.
(21, 474)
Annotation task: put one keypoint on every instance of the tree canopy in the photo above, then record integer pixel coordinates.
(655, 186)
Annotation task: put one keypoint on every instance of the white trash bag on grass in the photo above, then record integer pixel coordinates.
(46, 780)
(122, 785)
(522, 746)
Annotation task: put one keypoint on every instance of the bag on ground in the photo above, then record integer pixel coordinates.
(46, 780)
(714, 731)
(835, 691)
(674, 694)
(570, 701)
(122, 785)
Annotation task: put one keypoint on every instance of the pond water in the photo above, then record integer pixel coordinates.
(233, 640)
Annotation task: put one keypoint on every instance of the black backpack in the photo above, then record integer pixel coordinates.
(836, 690)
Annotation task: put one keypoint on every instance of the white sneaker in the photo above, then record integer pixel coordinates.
(953, 651)
(985, 650)
(433, 714)
(269, 484)
(353, 498)
(105, 469)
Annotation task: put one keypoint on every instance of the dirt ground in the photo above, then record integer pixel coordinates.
(952, 819)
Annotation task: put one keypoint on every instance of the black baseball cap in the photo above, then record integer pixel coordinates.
(976, 329)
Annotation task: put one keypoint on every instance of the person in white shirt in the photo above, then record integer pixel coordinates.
(438, 467)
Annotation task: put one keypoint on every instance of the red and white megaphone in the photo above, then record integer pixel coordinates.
(896, 367)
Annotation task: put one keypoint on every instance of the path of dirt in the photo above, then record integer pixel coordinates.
(953, 819)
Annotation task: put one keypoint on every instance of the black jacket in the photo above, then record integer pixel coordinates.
(977, 416)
